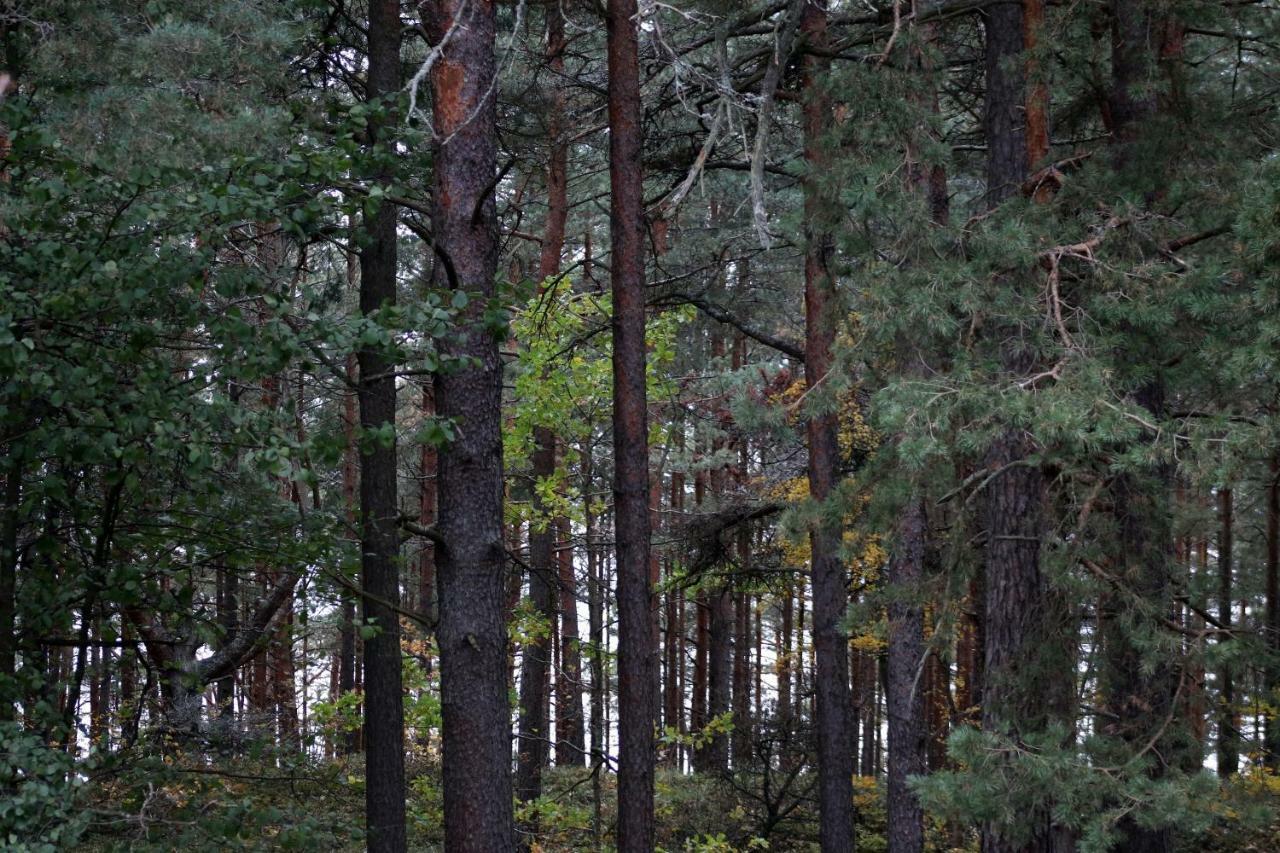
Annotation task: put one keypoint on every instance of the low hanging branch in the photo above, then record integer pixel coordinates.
(704, 534)
(718, 313)
(252, 637)
(431, 534)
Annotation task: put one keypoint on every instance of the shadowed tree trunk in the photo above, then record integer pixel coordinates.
(830, 596)
(349, 742)
(595, 617)
(1272, 627)
(535, 728)
(8, 582)
(1140, 692)
(910, 685)
(532, 749)
(715, 755)
(571, 748)
(1228, 732)
(637, 654)
(905, 694)
(470, 564)
(673, 649)
(786, 625)
(379, 510)
(1024, 674)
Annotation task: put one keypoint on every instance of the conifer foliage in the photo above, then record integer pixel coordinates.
(696, 425)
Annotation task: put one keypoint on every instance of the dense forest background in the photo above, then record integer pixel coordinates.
(706, 425)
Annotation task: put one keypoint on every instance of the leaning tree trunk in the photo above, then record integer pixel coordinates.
(472, 634)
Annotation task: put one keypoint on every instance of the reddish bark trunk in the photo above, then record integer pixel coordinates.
(830, 596)
(470, 567)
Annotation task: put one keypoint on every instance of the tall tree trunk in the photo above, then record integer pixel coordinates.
(701, 658)
(472, 633)
(1023, 671)
(830, 596)
(742, 724)
(1271, 631)
(801, 646)
(910, 685)
(1004, 102)
(129, 702)
(1140, 692)
(595, 632)
(229, 623)
(535, 668)
(637, 655)
(673, 649)
(9, 516)
(719, 632)
(379, 509)
(429, 463)
(349, 741)
(870, 718)
(543, 571)
(905, 696)
(1228, 733)
(786, 625)
(99, 656)
(571, 748)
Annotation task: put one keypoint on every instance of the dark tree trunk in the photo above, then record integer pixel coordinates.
(472, 632)
(1228, 731)
(595, 623)
(429, 463)
(742, 724)
(1021, 666)
(701, 658)
(1140, 699)
(229, 622)
(544, 574)
(637, 654)
(349, 741)
(8, 583)
(571, 747)
(1140, 696)
(801, 669)
(905, 699)
(379, 508)
(830, 596)
(1003, 107)
(910, 687)
(937, 704)
(673, 649)
(532, 749)
(1024, 671)
(1271, 631)
(128, 707)
(720, 627)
